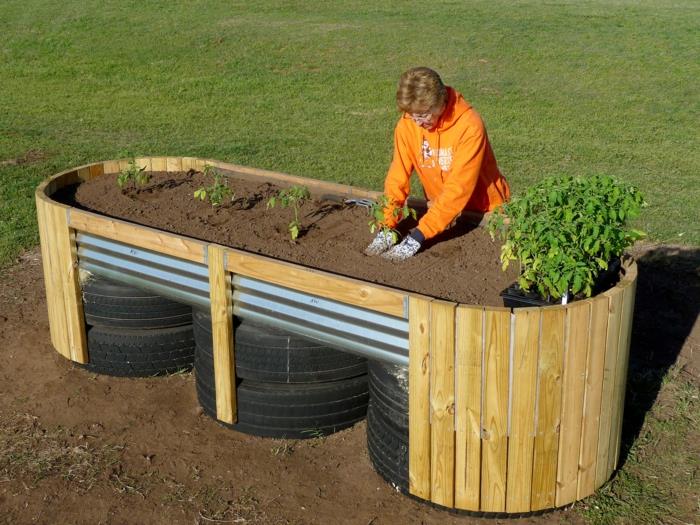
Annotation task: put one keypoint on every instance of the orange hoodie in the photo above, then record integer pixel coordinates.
(454, 162)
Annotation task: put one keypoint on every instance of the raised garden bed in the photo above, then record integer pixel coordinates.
(509, 410)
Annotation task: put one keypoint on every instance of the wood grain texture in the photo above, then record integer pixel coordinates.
(578, 318)
(222, 332)
(159, 163)
(173, 164)
(47, 260)
(343, 289)
(419, 397)
(523, 405)
(494, 434)
(546, 447)
(469, 343)
(137, 235)
(442, 402)
(594, 390)
(612, 342)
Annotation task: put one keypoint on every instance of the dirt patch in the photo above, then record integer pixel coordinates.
(461, 265)
(80, 448)
(28, 157)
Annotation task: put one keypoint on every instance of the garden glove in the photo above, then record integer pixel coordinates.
(407, 248)
(381, 243)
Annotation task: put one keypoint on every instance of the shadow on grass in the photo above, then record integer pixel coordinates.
(667, 305)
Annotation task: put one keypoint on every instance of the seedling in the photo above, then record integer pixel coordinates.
(295, 197)
(377, 212)
(134, 175)
(216, 193)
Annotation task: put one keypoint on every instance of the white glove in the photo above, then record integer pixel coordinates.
(402, 251)
(381, 243)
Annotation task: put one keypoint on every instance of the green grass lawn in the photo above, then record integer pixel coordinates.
(307, 88)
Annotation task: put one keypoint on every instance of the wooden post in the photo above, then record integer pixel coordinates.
(578, 317)
(222, 332)
(495, 410)
(419, 397)
(544, 472)
(442, 402)
(522, 420)
(468, 354)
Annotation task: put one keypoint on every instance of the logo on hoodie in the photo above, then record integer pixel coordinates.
(444, 156)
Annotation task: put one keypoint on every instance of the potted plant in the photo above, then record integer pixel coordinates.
(567, 233)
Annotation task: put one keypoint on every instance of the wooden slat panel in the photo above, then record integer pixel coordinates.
(578, 317)
(173, 164)
(442, 402)
(594, 390)
(123, 164)
(495, 410)
(189, 163)
(140, 236)
(343, 289)
(222, 332)
(159, 163)
(621, 373)
(607, 397)
(468, 354)
(544, 471)
(523, 405)
(419, 397)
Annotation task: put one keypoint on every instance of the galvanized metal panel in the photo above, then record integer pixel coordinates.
(351, 328)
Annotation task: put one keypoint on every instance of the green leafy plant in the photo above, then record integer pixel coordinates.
(216, 193)
(377, 212)
(564, 230)
(294, 197)
(133, 174)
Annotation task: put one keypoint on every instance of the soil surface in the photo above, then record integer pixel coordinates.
(80, 448)
(460, 265)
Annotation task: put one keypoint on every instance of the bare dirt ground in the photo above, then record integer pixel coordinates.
(80, 448)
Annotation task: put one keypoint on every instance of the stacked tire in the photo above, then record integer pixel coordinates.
(135, 333)
(387, 422)
(288, 386)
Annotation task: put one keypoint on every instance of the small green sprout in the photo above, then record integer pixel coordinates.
(295, 197)
(216, 193)
(134, 174)
(378, 218)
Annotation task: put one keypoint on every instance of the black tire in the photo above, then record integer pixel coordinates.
(387, 422)
(139, 353)
(267, 354)
(107, 303)
(294, 411)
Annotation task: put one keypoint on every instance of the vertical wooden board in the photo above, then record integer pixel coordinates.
(188, 163)
(123, 164)
(549, 392)
(612, 341)
(578, 318)
(111, 166)
(222, 332)
(97, 169)
(144, 162)
(45, 239)
(55, 230)
(523, 397)
(469, 344)
(419, 397)
(442, 399)
(159, 163)
(173, 164)
(494, 450)
(621, 373)
(72, 294)
(594, 390)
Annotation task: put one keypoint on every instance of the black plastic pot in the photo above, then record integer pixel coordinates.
(514, 297)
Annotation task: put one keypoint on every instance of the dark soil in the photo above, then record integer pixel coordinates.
(460, 265)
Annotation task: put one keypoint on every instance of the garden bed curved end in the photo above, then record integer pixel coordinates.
(510, 410)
